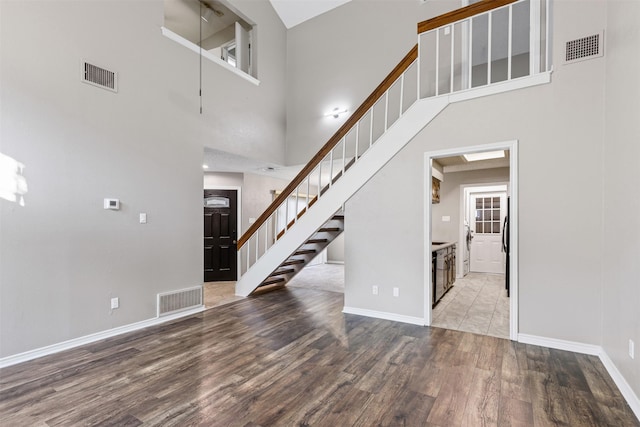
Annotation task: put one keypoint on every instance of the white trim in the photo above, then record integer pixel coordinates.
(496, 88)
(573, 346)
(594, 350)
(239, 217)
(88, 339)
(465, 192)
(512, 146)
(207, 55)
(384, 315)
(624, 387)
(334, 262)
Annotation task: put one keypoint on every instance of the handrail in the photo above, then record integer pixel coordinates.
(462, 13)
(360, 112)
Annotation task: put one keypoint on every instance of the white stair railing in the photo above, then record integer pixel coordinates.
(503, 41)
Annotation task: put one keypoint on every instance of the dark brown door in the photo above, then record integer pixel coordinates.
(220, 221)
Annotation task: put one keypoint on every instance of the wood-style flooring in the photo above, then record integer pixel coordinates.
(291, 358)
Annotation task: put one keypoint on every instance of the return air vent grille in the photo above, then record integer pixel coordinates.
(584, 48)
(180, 300)
(100, 77)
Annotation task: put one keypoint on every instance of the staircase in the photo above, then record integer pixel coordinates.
(304, 254)
(304, 218)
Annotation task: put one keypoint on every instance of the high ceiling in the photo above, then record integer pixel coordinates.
(294, 12)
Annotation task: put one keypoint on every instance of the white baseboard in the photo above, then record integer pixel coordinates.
(623, 385)
(88, 339)
(334, 262)
(384, 315)
(576, 347)
(594, 350)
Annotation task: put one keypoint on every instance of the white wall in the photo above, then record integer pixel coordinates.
(62, 257)
(339, 57)
(560, 129)
(621, 230)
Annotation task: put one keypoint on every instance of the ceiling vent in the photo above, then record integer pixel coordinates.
(584, 48)
(100, 77)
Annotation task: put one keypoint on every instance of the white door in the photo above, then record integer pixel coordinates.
(243, 48)
(487, 213)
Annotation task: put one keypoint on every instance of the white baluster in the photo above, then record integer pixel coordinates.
(453, 38)
(437, 61)
(344, 154)
(401, 93)
(371, 127)
(386, 108)
(331, 168)
(510, 43)
(357, 139)
(489, 49)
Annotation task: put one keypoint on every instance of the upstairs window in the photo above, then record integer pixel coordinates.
(215, 26)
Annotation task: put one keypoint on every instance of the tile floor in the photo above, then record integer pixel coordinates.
(477, 303)
(219, 293)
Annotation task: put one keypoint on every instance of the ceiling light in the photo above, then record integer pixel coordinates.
(487, 155)
(205, 166)
(336, 112)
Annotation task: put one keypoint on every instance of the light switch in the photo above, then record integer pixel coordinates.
(252, 220)
(143, 218)
(446, 218)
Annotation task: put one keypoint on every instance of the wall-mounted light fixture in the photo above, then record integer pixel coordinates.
(205, 166)
(336, 112)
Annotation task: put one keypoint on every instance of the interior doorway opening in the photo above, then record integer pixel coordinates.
(471, 232)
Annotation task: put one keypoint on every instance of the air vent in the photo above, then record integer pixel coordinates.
(98, 76)
(584, 48)
(180, 300)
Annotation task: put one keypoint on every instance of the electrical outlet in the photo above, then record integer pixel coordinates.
(115, 302)
(374, 289)
(396, 292)
(632, 349)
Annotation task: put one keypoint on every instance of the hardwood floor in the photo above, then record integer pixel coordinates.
(291, 358)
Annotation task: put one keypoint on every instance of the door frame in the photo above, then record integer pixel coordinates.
(512, 146)
(238, 213)
(465, 193)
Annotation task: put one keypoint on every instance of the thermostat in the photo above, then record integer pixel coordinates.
(113, 204)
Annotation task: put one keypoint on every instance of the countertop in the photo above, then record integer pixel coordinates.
(435, 248)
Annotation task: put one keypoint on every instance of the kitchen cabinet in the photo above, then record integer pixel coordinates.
(443, 260)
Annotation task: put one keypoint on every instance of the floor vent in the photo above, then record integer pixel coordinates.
(584, 48)
(180, 300)
(100, 77)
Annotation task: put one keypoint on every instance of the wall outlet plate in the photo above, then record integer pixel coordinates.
(396, 292)
(115, 302)
(632, 349)
(374, 289)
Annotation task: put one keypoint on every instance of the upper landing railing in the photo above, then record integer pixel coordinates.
(485, 43)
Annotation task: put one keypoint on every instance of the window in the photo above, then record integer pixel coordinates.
(487, 216)
(215, 27)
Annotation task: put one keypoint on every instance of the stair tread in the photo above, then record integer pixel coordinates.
(272, 281)
(293, 262)
(305, 251)
(317, 241)
(282, 271)
(329, 229)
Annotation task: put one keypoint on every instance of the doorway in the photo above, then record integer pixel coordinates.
(220, 235)
(491, 202)
(485, 215)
